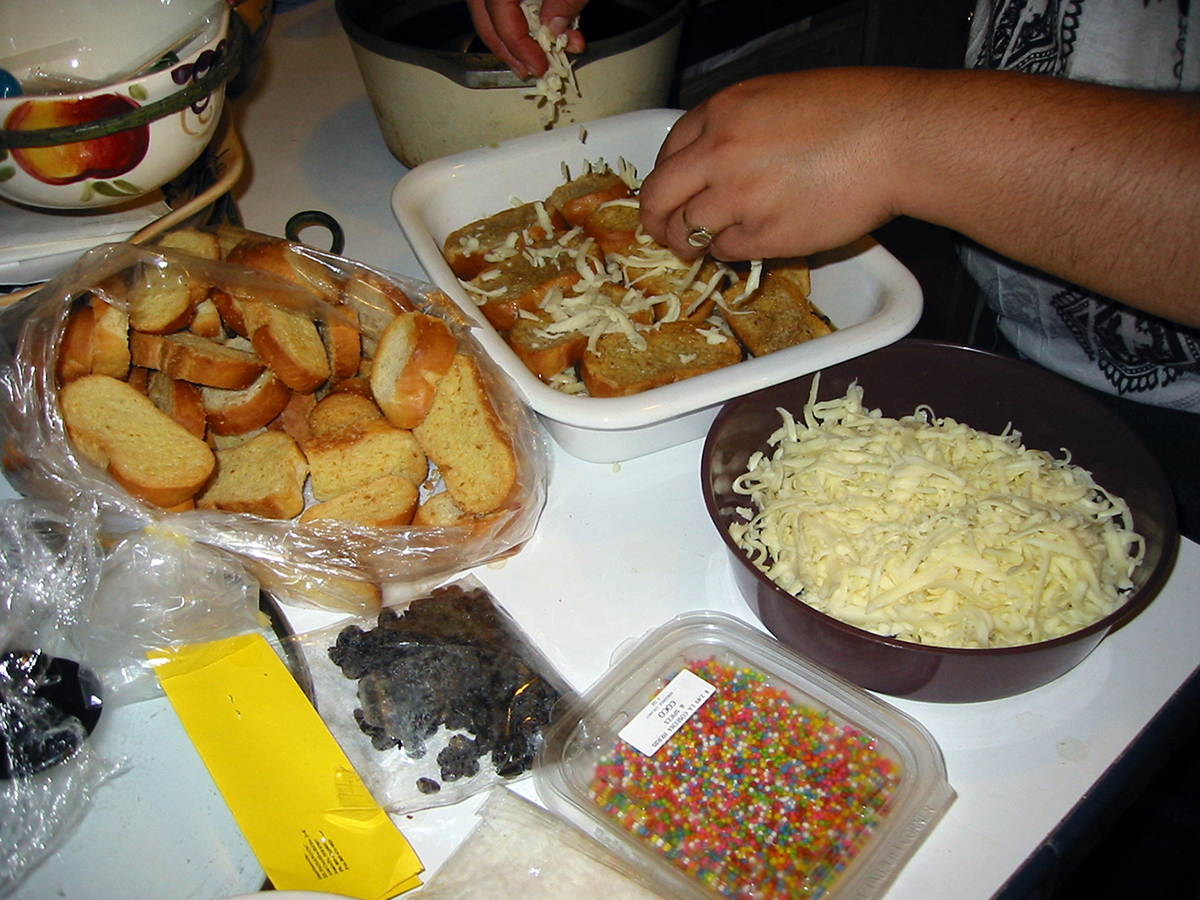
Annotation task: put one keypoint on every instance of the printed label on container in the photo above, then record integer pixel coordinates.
(666, 713)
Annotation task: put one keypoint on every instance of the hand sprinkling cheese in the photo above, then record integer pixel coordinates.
(927, 530)
(558, 88)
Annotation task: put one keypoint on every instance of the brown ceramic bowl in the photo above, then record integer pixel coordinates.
(987, 392)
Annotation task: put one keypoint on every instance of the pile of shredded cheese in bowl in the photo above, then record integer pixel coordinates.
(926, 530)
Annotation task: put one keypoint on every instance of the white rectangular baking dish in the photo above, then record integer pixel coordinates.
(871, 298)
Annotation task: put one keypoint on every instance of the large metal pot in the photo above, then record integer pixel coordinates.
(434, 94)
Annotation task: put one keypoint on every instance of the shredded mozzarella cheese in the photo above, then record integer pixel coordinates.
(557, 89)
(927, 530)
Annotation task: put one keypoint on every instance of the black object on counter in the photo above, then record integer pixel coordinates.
(48, 706)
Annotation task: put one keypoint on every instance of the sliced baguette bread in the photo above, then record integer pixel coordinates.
(386, 502)
(545, 355)
(775, 316)
(75, 348)
(440, 511)
(196, 359)
(674, 351)
(147, 452)
(178, 399)
(110, 339)
(361, 452)
(580, 197)
(290, 344)
(415, 352)
(162, 300)
(464, 437)
(467, 249)
(263, 477)
(236, 412)
(339, 409)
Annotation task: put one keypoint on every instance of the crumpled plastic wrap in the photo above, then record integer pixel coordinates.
(159, 590)
(435, 701)
(520, 851)
(304, 564)
(77, 618)
(50, 565)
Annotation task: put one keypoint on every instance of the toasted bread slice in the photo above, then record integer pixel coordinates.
(289, 343)
(415, 352)
(376, 300)
(775, 316)
(289, 263)
(336, 410)
(75, 348)
(118, 428)
(230, 308)
(614, 227)
(522, 282)
(343, 341)
(178, 399)
(263, 477)
(440, 511)
(467, 249)
(387, 502)
(545, 355)
(361, 452)
(293, 419)
(464, 437)
(163, 300)
(674, 351)
(206, 320)
(110, 340)
(203, 244)
(253, 407)
(580, 197)
(197, 359)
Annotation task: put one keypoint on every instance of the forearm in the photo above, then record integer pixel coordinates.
(1096, 185)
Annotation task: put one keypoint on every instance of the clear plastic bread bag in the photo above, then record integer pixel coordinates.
(323, 563)
(436, 700)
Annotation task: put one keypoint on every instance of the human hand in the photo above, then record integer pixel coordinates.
(502, 26)
(783, 165)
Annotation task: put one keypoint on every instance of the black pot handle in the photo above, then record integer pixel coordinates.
(309, 217)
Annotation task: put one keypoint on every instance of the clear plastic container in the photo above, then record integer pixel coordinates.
(779, 779)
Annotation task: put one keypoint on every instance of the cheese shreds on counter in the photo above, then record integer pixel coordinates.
(924, 529)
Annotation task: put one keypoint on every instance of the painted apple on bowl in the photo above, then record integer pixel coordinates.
(129, 157)
(102, 158)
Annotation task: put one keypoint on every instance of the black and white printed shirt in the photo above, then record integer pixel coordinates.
(1086, 337)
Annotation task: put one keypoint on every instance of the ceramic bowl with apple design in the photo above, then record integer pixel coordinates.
(117, 142)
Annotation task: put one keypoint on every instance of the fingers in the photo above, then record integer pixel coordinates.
(560, 16)
(502, 25)
(679, 205)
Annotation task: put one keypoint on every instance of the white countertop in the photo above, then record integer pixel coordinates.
(622, 548)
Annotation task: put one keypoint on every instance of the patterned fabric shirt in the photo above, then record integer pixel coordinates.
(1084, 336)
